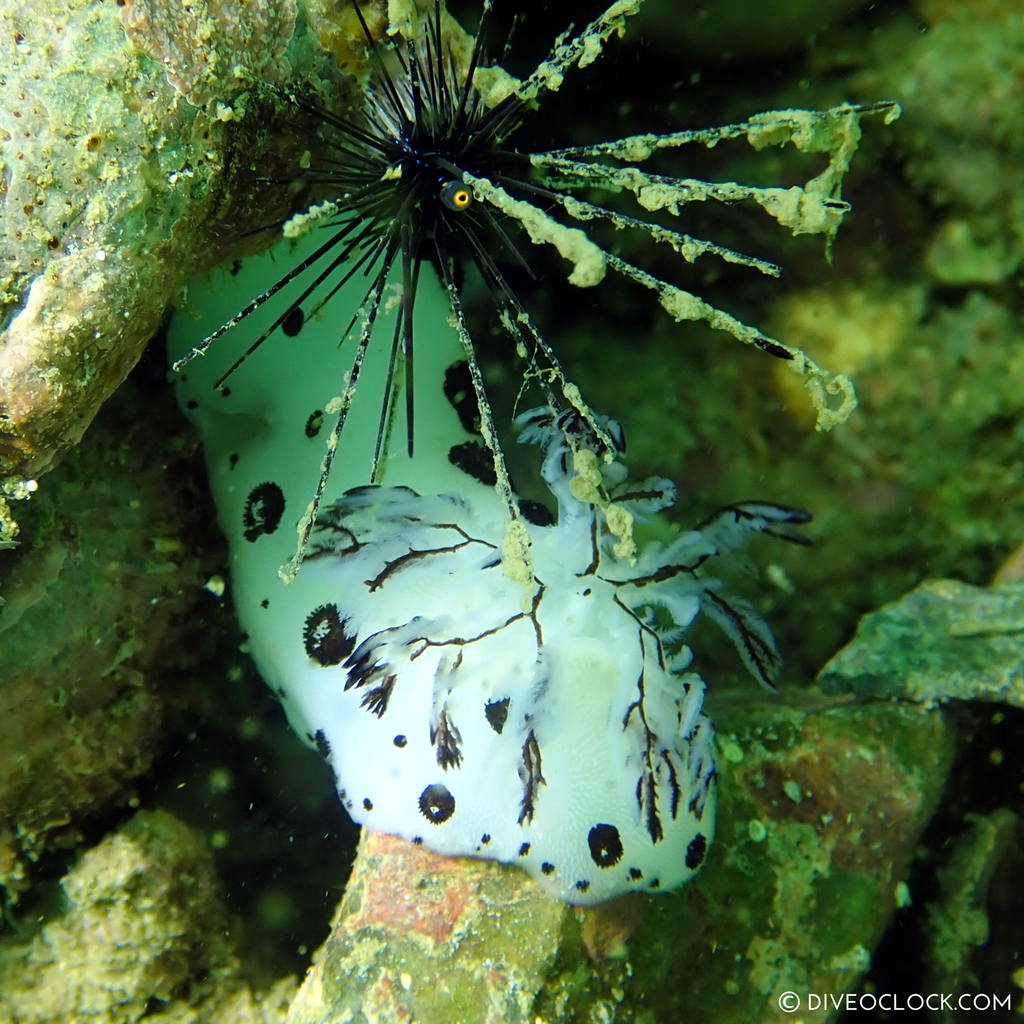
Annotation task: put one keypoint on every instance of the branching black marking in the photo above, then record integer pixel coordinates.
(647, 799)
(647, 782)
(366, 664)
(531, 776)
(702, 774)
(761, 517)
(461, 641)
(446, 739)
(758, 653)
(645, 628)
(376, 700)
(725, 529)
(595, 548)
(673, 782)
(415, 554)
(700, 797)
(662, 574)
(653, 495)
(334, 539)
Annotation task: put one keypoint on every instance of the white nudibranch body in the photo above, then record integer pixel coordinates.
(555, 725)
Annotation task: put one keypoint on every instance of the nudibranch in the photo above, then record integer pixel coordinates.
(486, 676)
(547, 718)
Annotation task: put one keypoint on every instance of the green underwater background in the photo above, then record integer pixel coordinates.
(170, 852)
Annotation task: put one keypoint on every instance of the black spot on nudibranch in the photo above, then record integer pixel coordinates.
(635, 874)
(324, 636)
(399, 741)
(293, 321)
(583, 885)
(437, 805)
(524, 849)
(367, 803)
(314, 422)
(536, 513)
(485, 839)
(547, 867)
(696, 850)
(605, 845)
(321, 744)
(496, 713)
(458, 389)
(473, 458)
(263, 510)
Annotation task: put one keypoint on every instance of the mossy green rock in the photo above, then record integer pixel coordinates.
(945, 640)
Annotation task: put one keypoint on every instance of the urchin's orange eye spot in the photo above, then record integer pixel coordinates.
(455, 195)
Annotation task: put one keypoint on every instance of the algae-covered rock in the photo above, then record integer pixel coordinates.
(945, 640)
(821, 807)
(143, 933)
(958, 916)
(93, 605)
(123, 173)
(423, 937)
